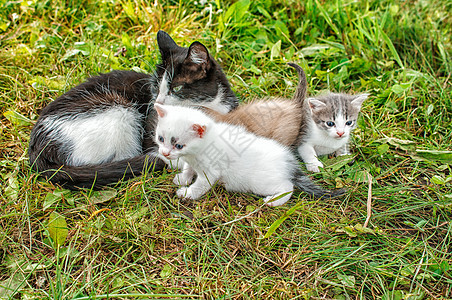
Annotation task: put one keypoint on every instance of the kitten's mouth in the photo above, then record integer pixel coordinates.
(166, 157)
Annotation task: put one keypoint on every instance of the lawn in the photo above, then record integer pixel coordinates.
(136, 239)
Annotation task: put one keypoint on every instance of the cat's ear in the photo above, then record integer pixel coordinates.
(198, 55)
(200, 130)
(315, 104)
(167, 45)
(358, 101)
(160, 110)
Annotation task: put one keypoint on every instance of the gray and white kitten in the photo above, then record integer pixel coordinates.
(328, 121)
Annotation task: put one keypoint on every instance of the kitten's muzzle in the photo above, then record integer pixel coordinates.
(166, 154)
(160, 100)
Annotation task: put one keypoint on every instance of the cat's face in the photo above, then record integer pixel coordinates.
(190, 77)
(336, 114)
(176, 135)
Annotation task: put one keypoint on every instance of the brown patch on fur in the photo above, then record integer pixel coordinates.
(277, 119)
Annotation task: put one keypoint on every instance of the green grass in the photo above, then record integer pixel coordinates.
(137, 240)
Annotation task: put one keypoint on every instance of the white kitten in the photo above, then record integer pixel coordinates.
(228, 154)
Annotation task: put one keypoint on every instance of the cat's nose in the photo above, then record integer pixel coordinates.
(340, 133)
(165, 153)
(160, 100)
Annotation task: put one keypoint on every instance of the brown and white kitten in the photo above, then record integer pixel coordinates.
(101, 130)
(275, 118)
(315, 126)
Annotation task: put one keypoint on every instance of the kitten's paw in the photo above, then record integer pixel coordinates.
(182, 192)
(314, 167)
(342, 153)
(278, 199)
(270, 201)
(186, 193)
(181, 179)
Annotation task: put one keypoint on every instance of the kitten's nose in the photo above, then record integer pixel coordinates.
(340, 133)
(166, 154)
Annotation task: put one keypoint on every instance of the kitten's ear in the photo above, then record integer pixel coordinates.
(358, 101)
(167, 45)
(315, 104)
(199, 129)
(198, 54)
(160, 110)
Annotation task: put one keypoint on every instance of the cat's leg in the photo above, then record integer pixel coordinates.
(202, 185)
(281, 196)
(309, 156)
(186, 177)
(342, 151)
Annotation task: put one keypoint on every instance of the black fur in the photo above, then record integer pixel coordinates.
(304, 183)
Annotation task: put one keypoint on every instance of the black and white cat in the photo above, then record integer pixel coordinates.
(230, 155)
(101, 130)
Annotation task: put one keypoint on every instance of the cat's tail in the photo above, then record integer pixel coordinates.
(304, 183)
(97, 176)
(302, 88)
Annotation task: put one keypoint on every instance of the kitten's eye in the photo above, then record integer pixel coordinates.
(349, 123)
(177, 88)
(161, 139)
(179, 146)
(330, 123)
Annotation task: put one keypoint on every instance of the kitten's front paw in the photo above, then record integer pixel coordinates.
(342, 153)
(181, 179)
(270, 201)
(186, 193)
(182, 192)
(314, 167)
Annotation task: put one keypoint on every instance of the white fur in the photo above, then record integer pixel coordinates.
(164, 97)
(110, 135)
(216, 104)
(227, 154)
